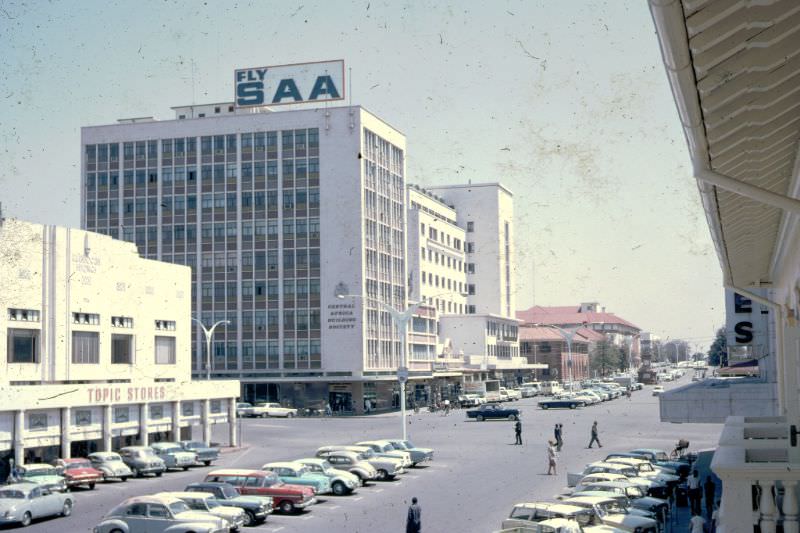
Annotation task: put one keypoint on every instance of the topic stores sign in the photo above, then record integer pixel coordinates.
(290, 84)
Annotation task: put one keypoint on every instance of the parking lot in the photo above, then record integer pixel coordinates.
(475, 478)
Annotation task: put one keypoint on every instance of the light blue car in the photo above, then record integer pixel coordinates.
(21, 503)
(418, 455)
(295, 473)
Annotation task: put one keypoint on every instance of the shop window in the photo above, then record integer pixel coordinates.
(156, 412)
(122, 414)
(37, 421)
(23, 345)
(83, 417)
(187, 409)
(215, 406)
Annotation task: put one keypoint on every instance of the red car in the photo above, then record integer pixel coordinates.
(287, 498)
(79, 471)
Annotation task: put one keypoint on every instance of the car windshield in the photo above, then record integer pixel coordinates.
(407, 444)
(197, 505)
(634, 492)
(303, 471)
(646, 467)
(178, 507)
(146, 453)
(272, 479)
(41, 472)
(109, 458)
(78, 464)
(229, 491)
(211, 503)
(325, 465)
(12, 494)
(662, 456)
(194, 445)
(172, 449)
(368, 453)
(388, 448)
(611, 507)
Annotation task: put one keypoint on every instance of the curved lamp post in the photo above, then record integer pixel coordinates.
(568, 335)
(630, 350)
(209, 333)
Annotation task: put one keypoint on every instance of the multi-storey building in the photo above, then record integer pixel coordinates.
(277, 214)
(94, 348)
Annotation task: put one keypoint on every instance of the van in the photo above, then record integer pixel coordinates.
(550, 388)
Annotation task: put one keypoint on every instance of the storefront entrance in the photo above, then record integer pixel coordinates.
(82, 448)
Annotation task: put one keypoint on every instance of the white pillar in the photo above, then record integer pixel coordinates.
(735, 512)
(19, 436)
(233, 439)
(107, 434)
(143, 425)
(176, 420)
(766, 504)
(66, 441)
(790, 507)
(207, 421)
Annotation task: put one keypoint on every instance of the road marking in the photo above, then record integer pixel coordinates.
(358, 499)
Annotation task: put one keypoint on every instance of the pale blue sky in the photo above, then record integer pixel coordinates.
(565, 102)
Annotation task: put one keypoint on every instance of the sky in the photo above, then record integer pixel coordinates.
(566, 103)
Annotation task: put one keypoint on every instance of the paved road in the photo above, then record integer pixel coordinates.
(476, 477)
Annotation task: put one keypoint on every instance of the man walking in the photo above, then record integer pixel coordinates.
(551, 458)
(695, 492)
(710, 493)
(559, 433)
(518, 432)
(414, 519)
(594, 436)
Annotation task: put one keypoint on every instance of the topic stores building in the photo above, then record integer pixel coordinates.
(95, 351)
(276, 213)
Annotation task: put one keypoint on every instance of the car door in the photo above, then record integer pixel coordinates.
(158, 518)
(49, 502)
(136, 518)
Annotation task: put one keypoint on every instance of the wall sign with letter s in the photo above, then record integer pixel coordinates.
(289, 84)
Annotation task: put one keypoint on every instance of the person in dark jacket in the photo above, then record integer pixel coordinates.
(518, 432)
(594, 436)
(414, 519)
(559, 434)
(710, 493)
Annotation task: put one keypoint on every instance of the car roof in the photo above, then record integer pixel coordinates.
(182, 495)
(609, 475)
(132, 448)
(621, 484)
(551, 506)
(628, 460)
(237, 472)
(164, 444)
(283, 464)
(348, 453)
(163, 498)
(74, 460)
(607, 464)
(588, 499)
(600, 494)
(310, 460)
(38, 466)
(104, 454)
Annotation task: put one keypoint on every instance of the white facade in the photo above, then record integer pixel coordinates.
(486, 212)
(276, 213)
(96, 344)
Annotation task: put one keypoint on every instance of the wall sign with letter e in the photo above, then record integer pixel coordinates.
(300, 83)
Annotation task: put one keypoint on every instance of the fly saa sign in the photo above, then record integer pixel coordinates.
(290, 84)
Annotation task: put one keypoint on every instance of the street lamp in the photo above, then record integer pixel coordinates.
(209, 333)
(630, 350)
(568, 335)
(401, 320)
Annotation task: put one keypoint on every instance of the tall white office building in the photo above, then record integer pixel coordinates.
(276, 213)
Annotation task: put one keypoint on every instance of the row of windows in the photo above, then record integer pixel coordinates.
(441, 237)
(446, 260)
(502, 329)
(442, 282)
(24, 347)
(271, 354)
(502, 351)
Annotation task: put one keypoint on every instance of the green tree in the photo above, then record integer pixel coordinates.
(719, 349)
(605, 357)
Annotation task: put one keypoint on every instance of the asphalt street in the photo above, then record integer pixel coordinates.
(476, 477)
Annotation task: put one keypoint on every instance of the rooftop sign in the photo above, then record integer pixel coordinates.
(289, 84)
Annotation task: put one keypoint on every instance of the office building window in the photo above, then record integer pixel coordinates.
(23, 345)
(470, 227)
(86, 318)
(165, 350)
(121, 349)
(85, 347)
(23, 315)
(165, 325)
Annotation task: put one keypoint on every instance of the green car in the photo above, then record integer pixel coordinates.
(46, 476)
(299, 474)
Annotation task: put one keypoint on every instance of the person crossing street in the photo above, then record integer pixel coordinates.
(518, 432)
(595, 436)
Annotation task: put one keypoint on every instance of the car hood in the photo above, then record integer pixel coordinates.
(629, 520)
(82, 472)
(184, 455)
(255, 500)
(227, 512)
(204, 450)
(199, 516)
(649, 501)
(44, 480)
(10, 504)
(296, 489)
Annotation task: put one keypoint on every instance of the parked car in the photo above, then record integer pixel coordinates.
(635, 494)
(529, 390)
(244, 409)
(384, 448)
(657, 390)
(299, 474)
(158, 513)
(524, 514)
(386, 467)
(276, 410)
(418, 455)
(622, 500)
(111, 465)
(21, 503)
(205, 454)
(469, 400)
(566, 403)
(78, 471)
(287, 498)
(493, 410)
(46, 476)
(661, 458)
(342, 482)
(256, 508)
(611, 513)
(351, 462)
(205, 502)
(509, 395)
(174, 456)
(654, 487)
(646, 469)
(142, 460)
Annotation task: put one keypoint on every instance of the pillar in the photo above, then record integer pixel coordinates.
(207, 422)
(19, 437)
(144, 438)
(233, 440)
(66, 441)
(107, 434)
(176, 420)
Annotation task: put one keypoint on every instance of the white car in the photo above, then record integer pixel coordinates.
(657, 390)
(613, 514)
(276, 410)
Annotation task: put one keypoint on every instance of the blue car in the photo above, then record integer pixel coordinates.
(566, 403)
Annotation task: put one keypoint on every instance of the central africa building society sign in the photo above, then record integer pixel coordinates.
(289, 84)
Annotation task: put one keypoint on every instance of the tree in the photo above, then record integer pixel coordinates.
(605, 357)
(718, 352)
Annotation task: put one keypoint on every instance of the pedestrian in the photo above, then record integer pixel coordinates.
(559, 434)
(710, 493)
(695, 492)
(594, 436)
(551, 458)
(714, 519)
(518, 432)
(414, 518)
(697, 523)
(328, 410)
(628, 392)
(446, 407)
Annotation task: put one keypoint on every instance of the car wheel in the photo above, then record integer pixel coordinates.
(287, 506)
(91, 486)
(479, 418)
(135, 472)
(207, 463)
(124, 478)
(158, 474)
(116, 531)
(185, 468)
(339, 488)
(264, 415)
(543, 406)
(512, 417)
(249, 519)
(572, 406)
(382, 475)
(290, 415)
(26, 520)
(66, 510)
